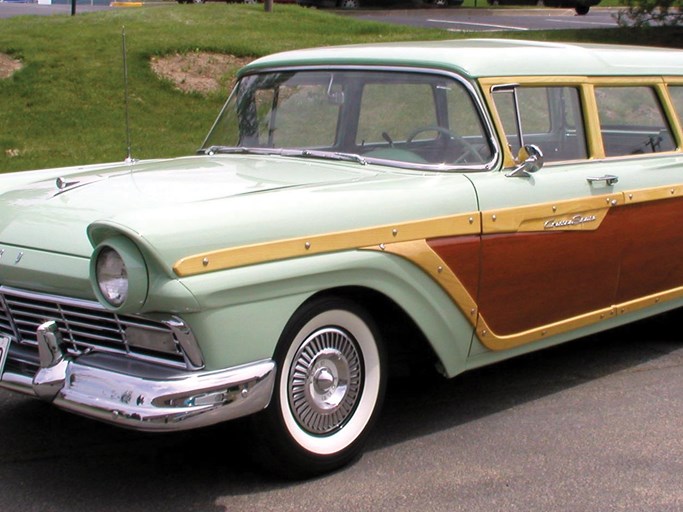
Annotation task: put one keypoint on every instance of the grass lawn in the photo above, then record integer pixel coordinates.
(66, 106)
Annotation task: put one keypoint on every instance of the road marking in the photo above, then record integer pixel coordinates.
(502, 27)
(584, 22)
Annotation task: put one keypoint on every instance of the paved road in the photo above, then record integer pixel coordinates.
(453, 19)
(11, 9)
(490, 20)
(595, 425)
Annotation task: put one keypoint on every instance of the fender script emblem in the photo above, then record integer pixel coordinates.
(574, 221)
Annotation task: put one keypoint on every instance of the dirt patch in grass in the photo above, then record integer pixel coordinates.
(8, 66)
(201, 72)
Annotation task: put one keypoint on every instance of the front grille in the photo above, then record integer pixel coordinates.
(84, 326)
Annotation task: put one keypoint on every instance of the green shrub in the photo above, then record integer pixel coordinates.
(647, 13)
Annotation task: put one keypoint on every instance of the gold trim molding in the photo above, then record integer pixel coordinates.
(653, 194)
(576, 214)
(223, 259)
(419, 253)
(494, 341)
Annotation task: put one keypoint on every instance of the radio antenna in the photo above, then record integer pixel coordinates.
(129, 156)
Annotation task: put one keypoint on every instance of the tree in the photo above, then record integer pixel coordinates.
(647, 13)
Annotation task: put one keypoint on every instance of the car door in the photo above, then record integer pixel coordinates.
(550, 249)
(594, 234)
(641, 136)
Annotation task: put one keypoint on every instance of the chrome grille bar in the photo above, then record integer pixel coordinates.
(83, 325)
(6, 326)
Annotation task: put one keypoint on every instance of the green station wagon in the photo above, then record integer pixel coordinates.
(353, 211)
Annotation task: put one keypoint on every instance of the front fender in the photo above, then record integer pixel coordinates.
(244, 310)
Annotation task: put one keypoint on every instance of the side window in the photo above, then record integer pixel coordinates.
(280, 113)
(550, 118)
(676, 92)
(394, 109)
(421, 119)
(464, 121)
(632, 121)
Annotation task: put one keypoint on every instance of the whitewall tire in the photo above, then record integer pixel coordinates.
(329, 389)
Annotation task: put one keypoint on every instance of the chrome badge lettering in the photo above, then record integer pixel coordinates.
(574, 221)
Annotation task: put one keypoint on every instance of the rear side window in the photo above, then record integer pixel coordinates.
(676, 93)
(550, 119)
(632, 121)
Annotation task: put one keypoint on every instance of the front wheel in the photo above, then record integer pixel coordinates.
(328, 393)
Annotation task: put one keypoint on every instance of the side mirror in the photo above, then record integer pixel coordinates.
(531, 158)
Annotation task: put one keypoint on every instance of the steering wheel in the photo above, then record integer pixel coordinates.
(451, 140)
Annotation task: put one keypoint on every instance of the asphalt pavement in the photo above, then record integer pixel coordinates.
(595, 425)
(11, 9)
(454, 19)
(492, 20)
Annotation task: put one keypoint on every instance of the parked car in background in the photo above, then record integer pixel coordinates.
(354, 211)
(580, 6)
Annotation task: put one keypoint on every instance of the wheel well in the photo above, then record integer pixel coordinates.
(408, 350)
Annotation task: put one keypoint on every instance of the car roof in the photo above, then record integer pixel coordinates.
(491, 57)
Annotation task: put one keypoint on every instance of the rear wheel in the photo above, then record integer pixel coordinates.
(349, 4)
(328, 393)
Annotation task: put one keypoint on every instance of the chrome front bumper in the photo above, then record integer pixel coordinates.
(140, 395)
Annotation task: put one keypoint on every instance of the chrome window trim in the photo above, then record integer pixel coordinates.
(475, 94)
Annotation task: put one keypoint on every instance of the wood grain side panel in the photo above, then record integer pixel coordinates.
(461, 255)
(534, 279)
(652, 241)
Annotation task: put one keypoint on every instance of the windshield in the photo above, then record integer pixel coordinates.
(397, 118)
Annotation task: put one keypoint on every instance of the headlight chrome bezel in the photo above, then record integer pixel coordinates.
(135, 281)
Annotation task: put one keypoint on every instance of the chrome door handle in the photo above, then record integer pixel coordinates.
(609, 179)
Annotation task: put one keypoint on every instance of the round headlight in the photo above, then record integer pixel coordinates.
(112, 276)
(118, 275)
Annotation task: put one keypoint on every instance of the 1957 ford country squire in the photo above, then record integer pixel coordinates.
(352, 209)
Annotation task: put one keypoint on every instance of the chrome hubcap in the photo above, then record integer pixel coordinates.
(324, 381)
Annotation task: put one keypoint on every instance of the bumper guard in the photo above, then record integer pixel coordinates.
(140, 395)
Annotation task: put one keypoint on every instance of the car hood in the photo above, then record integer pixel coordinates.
(179, 207)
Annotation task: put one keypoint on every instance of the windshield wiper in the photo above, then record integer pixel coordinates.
(326, 155)
(306, 153)
(240, 150)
